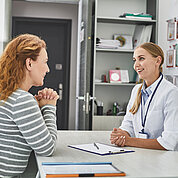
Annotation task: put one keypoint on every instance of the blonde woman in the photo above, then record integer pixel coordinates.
(26, 122)
(151, 120)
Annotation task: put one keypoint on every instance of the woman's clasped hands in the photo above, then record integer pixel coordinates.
(47, 96)
(119, 137)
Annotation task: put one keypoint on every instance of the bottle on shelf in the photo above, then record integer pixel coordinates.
(115, 108)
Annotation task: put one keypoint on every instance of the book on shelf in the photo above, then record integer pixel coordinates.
(138, 32)
(118, 76)
(147, 34)
(140, 16)
(142, 34)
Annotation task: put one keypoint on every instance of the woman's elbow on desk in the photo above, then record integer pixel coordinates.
(46, 152)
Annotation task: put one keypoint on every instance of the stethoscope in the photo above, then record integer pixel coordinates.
(144, 119)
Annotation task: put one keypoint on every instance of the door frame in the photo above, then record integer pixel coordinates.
(84, 87)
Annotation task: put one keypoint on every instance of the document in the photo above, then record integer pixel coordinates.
(81, 169)
(100, 149)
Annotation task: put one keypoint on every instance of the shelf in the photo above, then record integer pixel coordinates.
(125, 21)
(115, 50)
(115, 84)
(109, 116)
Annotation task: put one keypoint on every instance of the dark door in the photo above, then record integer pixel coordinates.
(57, 35)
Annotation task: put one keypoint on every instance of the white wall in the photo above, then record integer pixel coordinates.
(5, 22)
(55, 10)
(168, 9)
(2, 5)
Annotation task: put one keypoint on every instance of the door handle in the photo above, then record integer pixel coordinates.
(87, 109)
(60, 91)
(80, 98)
(87, 98)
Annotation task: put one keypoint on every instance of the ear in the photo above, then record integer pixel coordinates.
(28, 64)
(159, 60)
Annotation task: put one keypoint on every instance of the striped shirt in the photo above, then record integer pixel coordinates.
(23, 128)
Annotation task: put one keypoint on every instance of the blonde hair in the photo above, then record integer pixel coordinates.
(155, 51)
(12, 61)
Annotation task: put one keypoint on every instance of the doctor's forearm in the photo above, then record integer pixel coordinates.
(143, 143)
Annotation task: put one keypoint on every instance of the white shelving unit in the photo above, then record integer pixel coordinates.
(118, 84)
(123, 20)
(107, 24)
(115, 50)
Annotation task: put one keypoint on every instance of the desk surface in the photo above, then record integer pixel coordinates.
(141, 163)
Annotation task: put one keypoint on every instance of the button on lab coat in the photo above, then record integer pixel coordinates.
(162, 118)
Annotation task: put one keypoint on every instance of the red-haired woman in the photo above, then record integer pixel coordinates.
(26, 122)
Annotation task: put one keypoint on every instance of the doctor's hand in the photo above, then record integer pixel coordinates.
(47, 96)
(119, 137)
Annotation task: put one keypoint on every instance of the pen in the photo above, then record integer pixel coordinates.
(96, 146)
(114, 152)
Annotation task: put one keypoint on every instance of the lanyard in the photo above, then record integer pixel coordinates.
(144, 120)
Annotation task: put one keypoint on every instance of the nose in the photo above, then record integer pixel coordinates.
(136, 64)
(48, 70)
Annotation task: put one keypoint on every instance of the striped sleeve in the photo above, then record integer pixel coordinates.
(49, 113)
(38, 127)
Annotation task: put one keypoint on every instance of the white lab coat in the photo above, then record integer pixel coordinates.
(162, 118)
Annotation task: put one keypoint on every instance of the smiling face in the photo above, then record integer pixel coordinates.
(39, 68)
(146, 65)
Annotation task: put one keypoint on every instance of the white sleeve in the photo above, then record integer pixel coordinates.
(169, 137)
(127, 123)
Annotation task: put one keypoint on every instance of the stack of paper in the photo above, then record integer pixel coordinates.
(100, 149)
(107, 44)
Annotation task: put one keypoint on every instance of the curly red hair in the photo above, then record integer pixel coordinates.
(12, 61)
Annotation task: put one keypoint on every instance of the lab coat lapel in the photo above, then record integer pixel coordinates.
(146, 106)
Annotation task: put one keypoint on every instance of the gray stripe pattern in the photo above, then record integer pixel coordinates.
(23, 128)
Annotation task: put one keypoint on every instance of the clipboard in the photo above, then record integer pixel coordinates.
(81, 169)
(100, 149)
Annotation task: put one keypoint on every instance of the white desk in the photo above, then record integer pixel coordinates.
(141, 163)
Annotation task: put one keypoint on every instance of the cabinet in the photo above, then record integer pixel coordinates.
(107, 23)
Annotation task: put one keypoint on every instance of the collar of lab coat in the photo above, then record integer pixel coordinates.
(151, 88)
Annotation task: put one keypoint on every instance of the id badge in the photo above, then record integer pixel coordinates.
(142, 135)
